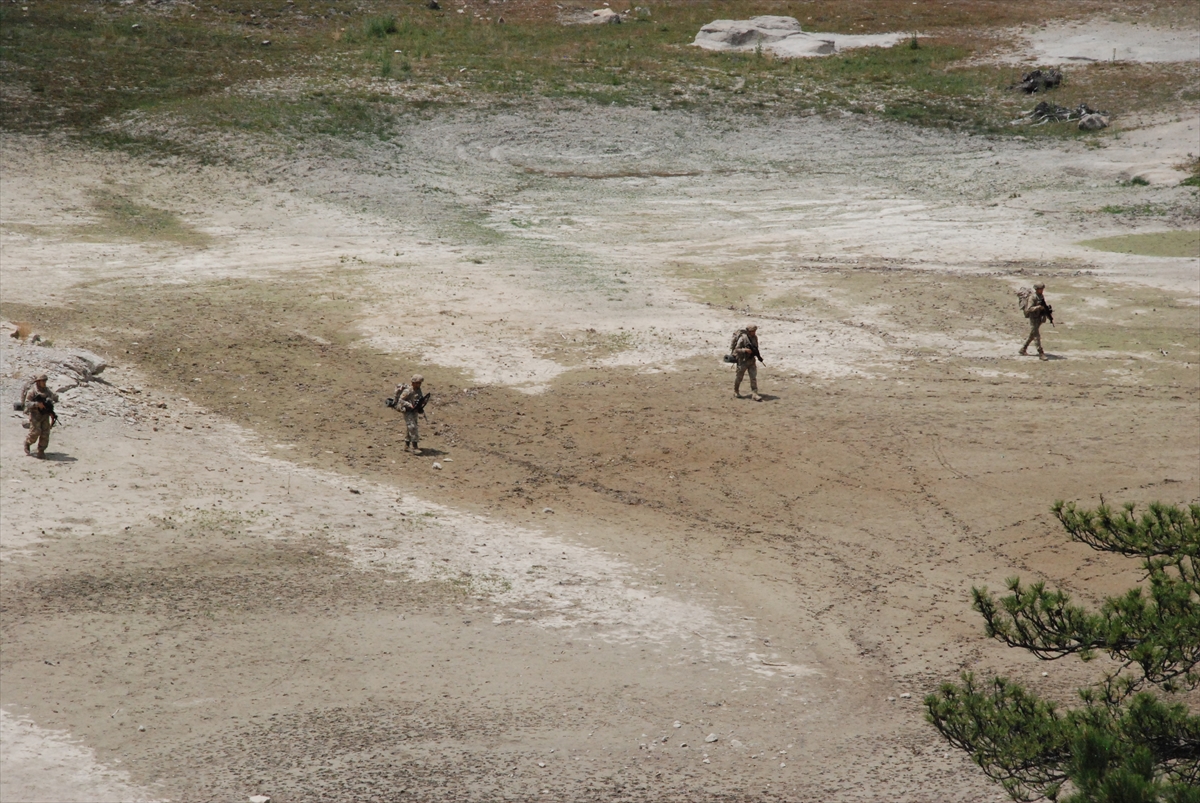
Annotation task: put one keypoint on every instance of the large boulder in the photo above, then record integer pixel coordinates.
(746, 34)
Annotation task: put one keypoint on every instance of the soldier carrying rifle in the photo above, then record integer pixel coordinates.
(744, 351)
(1038, 310)
(410, 401)
(38, 401)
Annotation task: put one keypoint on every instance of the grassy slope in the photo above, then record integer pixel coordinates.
(338, 69)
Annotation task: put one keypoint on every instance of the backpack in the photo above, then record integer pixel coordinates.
(19, 404)
(731, 357)
(1024, 296)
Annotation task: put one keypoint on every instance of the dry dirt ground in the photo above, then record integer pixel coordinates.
(607, 579)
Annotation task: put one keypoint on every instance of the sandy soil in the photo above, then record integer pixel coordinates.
(229, 580)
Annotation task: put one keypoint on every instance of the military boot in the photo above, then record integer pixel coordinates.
(1042, 356)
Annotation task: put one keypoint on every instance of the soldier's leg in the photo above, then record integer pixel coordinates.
(737, 382)
(753, 369)
(34, 433)
(44, 437)
(1036, 337)
(1033, 332)
(410, 422)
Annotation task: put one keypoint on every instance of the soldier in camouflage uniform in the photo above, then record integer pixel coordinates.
(1037, 311)
(407, 397)
(36, 402)
(745, 343)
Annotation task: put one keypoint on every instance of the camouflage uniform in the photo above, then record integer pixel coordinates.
(1036, 312)
(406, 398)
(39, 420)
(743, 345)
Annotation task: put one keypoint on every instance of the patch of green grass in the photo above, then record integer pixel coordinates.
(1184, 244)
(380, 27)
(1140, 210)
(123, 218)
(80, 66)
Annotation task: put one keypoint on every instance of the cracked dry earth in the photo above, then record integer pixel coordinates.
(618, 583)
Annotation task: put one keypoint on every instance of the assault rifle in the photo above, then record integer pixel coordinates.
(754, 350)
(1049, 313)
(47, 407)
(418, 406)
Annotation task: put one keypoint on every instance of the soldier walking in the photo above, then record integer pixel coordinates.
(38, 402)
(410, 401)
(745, 349)
(1037, 310)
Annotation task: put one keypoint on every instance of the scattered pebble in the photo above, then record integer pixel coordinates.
(891, 699)
(141, 728)
(438, 466)
(906, 695)
(676, 724)
(551, 510)
(712, 737)
(736, 743)
(541, 763)
(259, 799)
(683, 744)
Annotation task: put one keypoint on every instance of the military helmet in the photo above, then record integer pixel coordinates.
(41, 378)
(1039, 286)
(417, 379)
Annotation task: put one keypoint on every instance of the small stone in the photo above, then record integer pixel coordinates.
(735, 743)
(712, 737)
(676, 724)
(906, 695)
(683, 744)
(541, 763)
(891, 699)
(706, 761)
(547, 510)
(1045, 674)
(266, 42)
(438, 466)
(141, 728)
(259, 799)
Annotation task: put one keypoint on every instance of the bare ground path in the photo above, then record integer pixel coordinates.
(256, 575)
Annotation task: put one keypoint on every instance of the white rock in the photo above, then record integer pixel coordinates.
(605, 16)
(906, 695)
(712, 737)
(783, 37)
(677, 724)
(259, 799)
(735, 743)
(547, 510)
(541, 763)
(438, 466)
